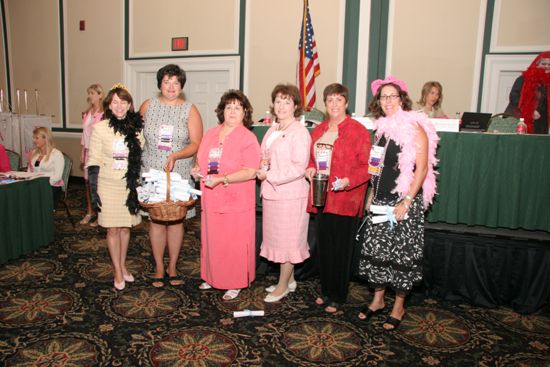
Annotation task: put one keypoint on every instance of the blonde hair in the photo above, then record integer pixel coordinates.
(47, 135)
(426, 90)
(99, 90)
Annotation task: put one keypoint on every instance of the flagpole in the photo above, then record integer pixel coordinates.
(302, 55)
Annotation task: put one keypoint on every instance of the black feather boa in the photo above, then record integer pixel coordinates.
(130, 127)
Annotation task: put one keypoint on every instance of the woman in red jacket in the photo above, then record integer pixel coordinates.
(340, 148)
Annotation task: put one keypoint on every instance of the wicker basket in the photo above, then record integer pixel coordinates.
(167, 211)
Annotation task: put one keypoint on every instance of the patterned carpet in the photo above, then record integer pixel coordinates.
(58, 308)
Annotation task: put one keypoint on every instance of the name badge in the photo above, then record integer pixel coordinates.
(376, 160)
(166, 136)
(214, 156)
(323, 160)
(120, 155)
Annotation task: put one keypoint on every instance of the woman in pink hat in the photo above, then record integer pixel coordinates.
(401, 164)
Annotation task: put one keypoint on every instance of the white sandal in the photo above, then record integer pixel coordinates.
(231, 294)
(204, 286)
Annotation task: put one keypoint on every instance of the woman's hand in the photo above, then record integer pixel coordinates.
(340, 184)
(401, 209)
(169, 163)
(212, 181)
(196, 172)
(536, 115)
(310, 172)
(261, 174)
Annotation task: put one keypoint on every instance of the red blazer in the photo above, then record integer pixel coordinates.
(350, 158)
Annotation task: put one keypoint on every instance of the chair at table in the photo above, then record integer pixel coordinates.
(15, 159)
(66, 174)
(503, 123)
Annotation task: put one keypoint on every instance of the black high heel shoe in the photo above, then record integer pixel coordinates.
(369, 313)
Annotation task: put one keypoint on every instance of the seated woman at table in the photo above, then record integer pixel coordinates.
(430, 100)
(4, 160)
(46, 159)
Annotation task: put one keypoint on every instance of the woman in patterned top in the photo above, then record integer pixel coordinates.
(401, 164)
(173, 132)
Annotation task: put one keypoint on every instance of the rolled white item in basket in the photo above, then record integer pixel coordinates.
(195, 191)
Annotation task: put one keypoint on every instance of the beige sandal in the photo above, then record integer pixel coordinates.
(231, 294)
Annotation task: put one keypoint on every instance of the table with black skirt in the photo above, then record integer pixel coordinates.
(487, 239)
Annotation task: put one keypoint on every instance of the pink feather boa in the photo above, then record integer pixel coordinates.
(401, 128)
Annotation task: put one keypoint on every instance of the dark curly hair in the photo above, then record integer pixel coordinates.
(171, 70)
(376, 109)
(233, 95)
(288, 91)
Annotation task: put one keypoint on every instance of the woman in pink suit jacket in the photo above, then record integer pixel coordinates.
(285, 155)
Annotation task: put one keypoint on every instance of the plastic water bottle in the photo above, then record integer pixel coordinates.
(268, 119)
(521, 128)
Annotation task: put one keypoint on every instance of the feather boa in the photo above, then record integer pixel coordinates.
(130, 127)
(533, 79)
(401, 128)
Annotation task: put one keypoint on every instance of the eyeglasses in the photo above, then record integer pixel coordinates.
(391, 97)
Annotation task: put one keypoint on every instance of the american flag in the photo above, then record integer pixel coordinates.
(308, 66)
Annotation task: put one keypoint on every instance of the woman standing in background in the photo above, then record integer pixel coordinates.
(90, 117)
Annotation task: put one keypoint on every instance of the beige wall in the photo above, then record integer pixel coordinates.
(273, 46)
(442, 49)
(211, 25)
(34, 48)
(429, 39)
(523, 23)
(95, 55)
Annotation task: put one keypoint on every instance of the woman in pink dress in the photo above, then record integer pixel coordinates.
(227, 160)
(90, 117)
(285, 155)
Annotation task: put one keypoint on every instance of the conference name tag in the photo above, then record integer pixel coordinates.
(214, 157)
(323, 160)
(120, 155)
(166, 136)
(375, 160)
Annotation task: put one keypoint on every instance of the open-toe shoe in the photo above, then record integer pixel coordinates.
(332, 307)
(174, 280)
(231, 294)
(368, 313)
(204, 286)
(157, 282)
(393, 322)
(321, 301)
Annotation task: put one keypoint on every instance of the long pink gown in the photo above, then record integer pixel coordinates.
(228, 221)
